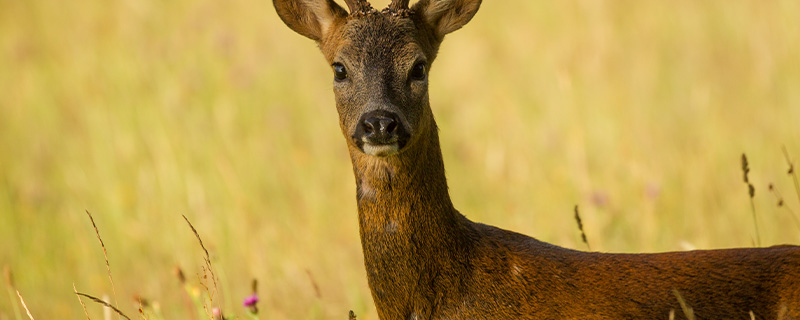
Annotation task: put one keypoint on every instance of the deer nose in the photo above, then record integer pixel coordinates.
(379, 125)
(380, 128)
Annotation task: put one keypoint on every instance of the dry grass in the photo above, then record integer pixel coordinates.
(687, 310)
(580, 227)
(24, 306)
(638, 111)
(105, 304)
(781, 203)
(751, 191)
(12, 287)
(105, 256)
(791, 172)
(208, 272)
(80, 300)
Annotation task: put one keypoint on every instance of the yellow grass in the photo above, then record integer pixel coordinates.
(141, 111)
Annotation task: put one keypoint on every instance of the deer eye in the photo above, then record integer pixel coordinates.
(339, 72)
(418, 71)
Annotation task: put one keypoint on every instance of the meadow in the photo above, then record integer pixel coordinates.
(143, 111)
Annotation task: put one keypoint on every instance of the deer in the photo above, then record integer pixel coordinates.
(425, 260)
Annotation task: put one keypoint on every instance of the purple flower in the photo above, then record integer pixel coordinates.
(250, 303)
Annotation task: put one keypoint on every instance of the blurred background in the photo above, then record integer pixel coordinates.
(141, 111)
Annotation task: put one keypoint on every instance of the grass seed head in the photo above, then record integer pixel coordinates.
(745, 168)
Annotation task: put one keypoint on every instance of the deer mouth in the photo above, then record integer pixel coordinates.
(381, 147)
(380, 150)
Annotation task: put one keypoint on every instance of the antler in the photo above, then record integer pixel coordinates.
(358, 6)
(361, 7)
(398, 5)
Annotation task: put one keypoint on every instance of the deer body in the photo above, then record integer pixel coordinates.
(424, 260)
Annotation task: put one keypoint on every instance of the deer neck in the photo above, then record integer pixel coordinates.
(408, 224)
(402, 194)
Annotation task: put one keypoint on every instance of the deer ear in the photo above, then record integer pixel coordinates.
(311, 18)
(446, 16)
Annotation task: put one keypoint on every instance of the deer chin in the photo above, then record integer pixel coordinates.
(381, 150)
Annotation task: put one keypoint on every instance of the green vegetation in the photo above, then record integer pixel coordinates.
(143, 111)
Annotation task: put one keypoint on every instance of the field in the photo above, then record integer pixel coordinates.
(143, 111)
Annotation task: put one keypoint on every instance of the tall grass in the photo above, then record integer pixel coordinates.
(141, 111)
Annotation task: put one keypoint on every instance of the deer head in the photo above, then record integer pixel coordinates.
(380, 62)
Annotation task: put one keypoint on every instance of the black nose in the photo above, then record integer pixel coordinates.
(379, 125)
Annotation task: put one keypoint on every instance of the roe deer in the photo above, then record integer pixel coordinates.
(424, 260)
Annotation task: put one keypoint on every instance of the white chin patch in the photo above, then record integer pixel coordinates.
(380, 150)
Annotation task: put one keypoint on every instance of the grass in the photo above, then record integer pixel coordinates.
(143, 111)
(688, 312)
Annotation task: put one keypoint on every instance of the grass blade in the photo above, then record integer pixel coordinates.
(106, 304)
(687, 310)
(24, 305)
(105, 255)
(81, 302)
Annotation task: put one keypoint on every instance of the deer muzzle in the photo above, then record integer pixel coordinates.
(380, 133)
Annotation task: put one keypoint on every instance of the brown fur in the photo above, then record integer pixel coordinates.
(424, 260)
